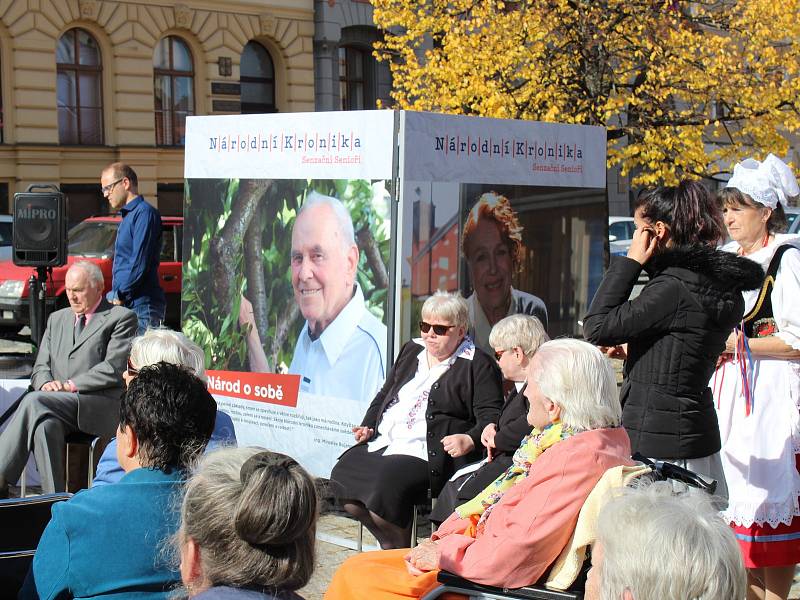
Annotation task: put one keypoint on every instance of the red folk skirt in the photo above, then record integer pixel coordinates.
(767, 546)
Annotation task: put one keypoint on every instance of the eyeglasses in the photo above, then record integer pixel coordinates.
(498, 354)
(437, 329)
(132, 371)
(107, 188)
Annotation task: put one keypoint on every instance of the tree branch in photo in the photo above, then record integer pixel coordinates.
(284, 325)
(368, 245)
(225, 250)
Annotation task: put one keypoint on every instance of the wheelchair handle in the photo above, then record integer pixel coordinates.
(665, 470)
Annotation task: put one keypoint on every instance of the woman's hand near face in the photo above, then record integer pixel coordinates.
(458, 444)
(643, 244)
(362, 434)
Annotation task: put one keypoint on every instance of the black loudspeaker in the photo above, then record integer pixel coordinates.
(40, 227)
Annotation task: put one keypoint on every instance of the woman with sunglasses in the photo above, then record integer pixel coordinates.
(423, 424)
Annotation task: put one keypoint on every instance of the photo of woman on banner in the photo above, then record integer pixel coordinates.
(491, 243)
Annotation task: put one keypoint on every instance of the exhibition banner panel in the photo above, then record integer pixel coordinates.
(286, 272)
(344, 145)
(459, 148)
(512, 214)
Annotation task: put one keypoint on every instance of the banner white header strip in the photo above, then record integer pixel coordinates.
(480, 150)
(341, 145)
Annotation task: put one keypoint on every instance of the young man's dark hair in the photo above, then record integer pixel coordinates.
(172, 414)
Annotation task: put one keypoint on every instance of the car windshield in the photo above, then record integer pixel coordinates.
(790, 219)
(5, 234)
(93, 239)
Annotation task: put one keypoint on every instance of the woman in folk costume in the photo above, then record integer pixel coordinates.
(757, 383)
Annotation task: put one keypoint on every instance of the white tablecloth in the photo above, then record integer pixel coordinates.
(10, 390)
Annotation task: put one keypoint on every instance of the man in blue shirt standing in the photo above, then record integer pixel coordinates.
(137, 250)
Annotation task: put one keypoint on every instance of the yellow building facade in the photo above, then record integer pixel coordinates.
(87, 82)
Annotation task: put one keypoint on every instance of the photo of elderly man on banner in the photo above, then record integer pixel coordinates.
(290, 277)
(288, 260)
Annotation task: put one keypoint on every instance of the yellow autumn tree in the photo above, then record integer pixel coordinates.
(684, 88)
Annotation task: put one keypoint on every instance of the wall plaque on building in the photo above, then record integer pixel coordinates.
(226, 106)
(224, 88)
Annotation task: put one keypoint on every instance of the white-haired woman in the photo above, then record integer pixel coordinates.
(154, 346)
(515, 339)
(757, 385)
(518, 531)
(424, 423)
(248, 521)
(652, 543)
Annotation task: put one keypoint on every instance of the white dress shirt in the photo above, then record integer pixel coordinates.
(348, 360)
(403, 429)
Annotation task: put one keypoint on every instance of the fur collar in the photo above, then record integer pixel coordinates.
(734, 272)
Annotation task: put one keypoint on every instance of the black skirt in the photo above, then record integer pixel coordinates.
(389, 486)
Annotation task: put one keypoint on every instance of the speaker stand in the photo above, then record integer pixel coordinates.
(37, 303)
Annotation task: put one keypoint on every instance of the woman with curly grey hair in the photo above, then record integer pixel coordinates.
(248, 522)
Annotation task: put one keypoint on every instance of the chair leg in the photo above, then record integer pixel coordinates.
(433, 525)
(23, 482)
(360, 539)
(414, 528)
(90, 470)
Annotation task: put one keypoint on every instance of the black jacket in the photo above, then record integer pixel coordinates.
(675, 330)
(513, 424)
(464, 400)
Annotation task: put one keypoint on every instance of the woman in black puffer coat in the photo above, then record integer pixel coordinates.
(676, 328)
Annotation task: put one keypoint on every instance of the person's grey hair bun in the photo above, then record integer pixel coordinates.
(275, 507)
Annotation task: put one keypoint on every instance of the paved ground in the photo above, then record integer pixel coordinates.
(332, 526)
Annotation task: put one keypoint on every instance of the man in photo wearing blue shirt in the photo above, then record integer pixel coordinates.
(341, 350)
(137, 250)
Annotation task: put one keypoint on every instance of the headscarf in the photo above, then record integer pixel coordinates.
(769, 182)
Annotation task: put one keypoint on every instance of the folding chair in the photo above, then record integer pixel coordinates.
(91, 442)
(22, 521)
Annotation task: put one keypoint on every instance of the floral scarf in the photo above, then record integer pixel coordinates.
(532, 446)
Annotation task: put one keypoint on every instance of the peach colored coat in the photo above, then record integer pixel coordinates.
(524, 535)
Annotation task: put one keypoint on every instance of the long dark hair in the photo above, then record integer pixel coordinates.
(688, 209)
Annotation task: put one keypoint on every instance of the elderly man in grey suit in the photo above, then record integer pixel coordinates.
(77, 380)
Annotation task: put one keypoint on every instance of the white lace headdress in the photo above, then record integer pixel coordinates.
(768, 182)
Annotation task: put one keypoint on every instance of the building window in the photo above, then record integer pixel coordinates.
(79, 90)
(356, 78)
(173, 74)
(257, 79)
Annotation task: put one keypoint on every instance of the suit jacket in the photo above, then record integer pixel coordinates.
(464, 400)
(94, 362)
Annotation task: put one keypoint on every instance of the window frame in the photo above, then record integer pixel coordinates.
(77, 69)
(172, 75)
(246, 79)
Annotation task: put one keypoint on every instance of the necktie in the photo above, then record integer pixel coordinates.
(80, 325)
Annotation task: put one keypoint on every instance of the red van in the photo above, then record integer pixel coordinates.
(92, 239)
